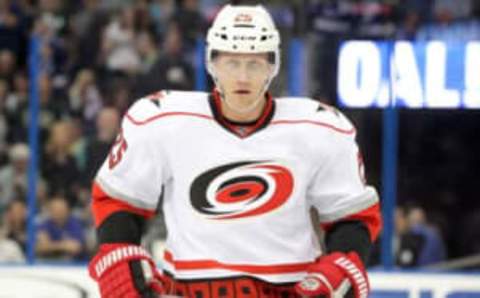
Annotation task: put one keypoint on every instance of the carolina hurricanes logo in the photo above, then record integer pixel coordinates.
(241, 189)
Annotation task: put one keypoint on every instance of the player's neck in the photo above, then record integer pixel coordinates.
(248, 116)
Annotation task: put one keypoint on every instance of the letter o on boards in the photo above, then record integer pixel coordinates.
(359, 73)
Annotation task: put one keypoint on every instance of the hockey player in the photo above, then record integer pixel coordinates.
(239, 172)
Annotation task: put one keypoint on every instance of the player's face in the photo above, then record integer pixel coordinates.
(242, 77)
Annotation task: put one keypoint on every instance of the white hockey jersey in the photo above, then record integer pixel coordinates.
(237, 200)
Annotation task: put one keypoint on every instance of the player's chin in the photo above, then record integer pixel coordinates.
(240, 99)
(245, 103)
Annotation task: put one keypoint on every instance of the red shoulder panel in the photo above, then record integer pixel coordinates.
(103, 206)
(371, 217)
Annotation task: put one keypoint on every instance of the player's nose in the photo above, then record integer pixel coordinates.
(242, 75)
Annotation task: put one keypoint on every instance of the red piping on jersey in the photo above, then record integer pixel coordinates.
(254, 269)
(103, 206)
(260, 121)
(142, 122)
(344, 131)
(371, 217)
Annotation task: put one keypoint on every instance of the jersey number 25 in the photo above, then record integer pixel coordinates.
(118, 148)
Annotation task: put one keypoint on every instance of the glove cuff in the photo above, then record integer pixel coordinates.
(355, 272)
(111, 254)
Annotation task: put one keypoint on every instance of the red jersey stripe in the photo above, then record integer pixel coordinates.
(153, 118)
(371, 217)
(103, 206)
(261, 121)
(247, 268)
(275, 122)
(337, 129)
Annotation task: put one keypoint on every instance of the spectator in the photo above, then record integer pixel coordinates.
(108, 125)
(88, 26)
(59, 166)
(19, 93)
(19, 113)
(148, 50)
(56, 107)
(417, 242)
(8, 64)
(160, 11)
(81, 21)
(433, 248)
(53, 53)
(13, 176)
(407, 245)
(190, 21)
(12, 107)
(60, 235)
(120, 96)
(79, 134)
(15, 220)
(118, 43)
(53, 10)
(10, 252)
(85, 100)
(49, 110)
(78, 150)
(171, 71)
(12, 27)
(143, 20)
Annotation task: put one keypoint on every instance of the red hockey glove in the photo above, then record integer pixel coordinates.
(333, 275)
(125, 270)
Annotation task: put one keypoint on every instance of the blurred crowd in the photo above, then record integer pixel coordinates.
(98, 56)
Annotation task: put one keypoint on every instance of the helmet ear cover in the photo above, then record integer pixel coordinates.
(214, 54)
(272, 57)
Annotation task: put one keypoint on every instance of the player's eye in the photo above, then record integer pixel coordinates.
(257, 66)
(232, 64)
(253, 64)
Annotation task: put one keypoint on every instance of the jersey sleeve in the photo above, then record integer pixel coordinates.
(338, 190)
(134, 170)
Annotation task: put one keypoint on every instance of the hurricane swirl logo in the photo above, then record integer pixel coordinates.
(241, 189)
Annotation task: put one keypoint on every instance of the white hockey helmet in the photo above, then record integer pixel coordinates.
(244, 29)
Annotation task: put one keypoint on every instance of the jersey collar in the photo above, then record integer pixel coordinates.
(241, 130)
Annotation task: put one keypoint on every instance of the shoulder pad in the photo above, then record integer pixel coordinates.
(304, 109)
(164, 101)
(144, 108)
